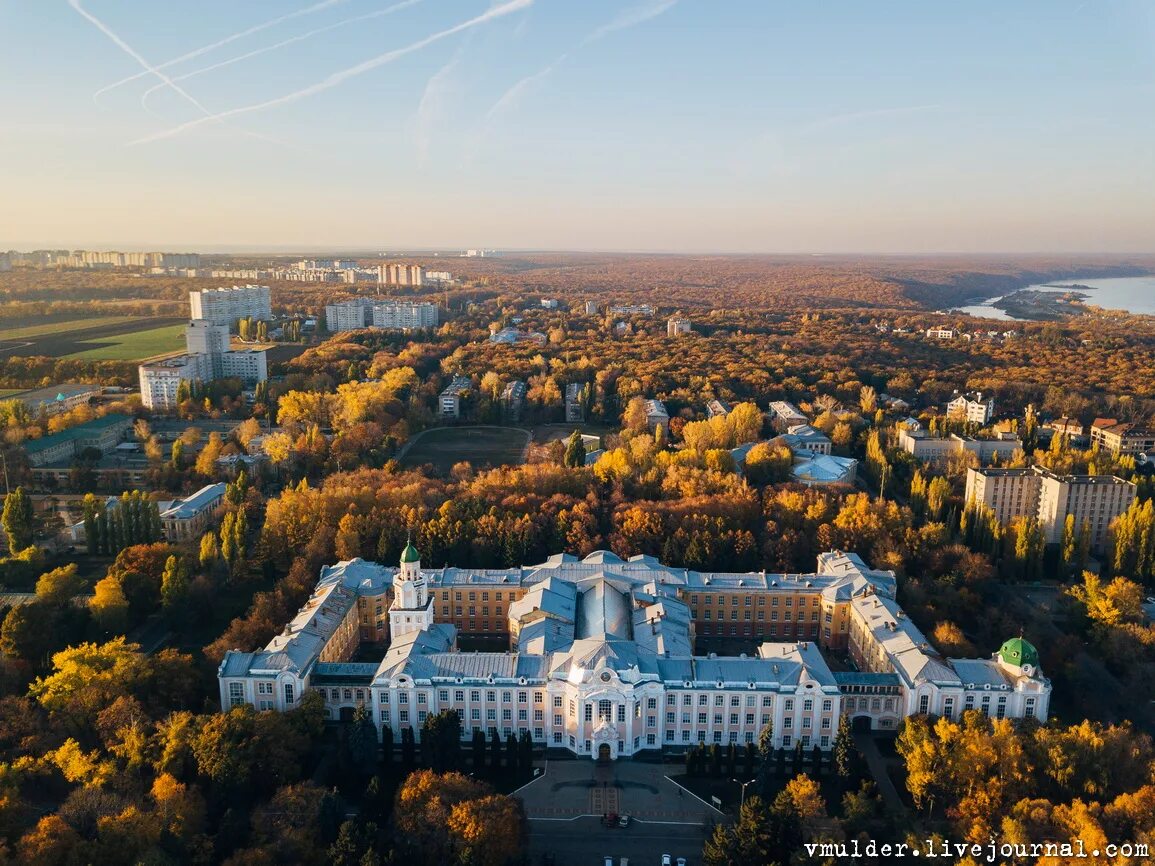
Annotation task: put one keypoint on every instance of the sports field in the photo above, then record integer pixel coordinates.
(442, 447)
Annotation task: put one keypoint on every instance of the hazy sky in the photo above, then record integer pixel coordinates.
(730, 125)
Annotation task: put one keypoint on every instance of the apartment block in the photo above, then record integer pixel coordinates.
(1093, 500)
(677, 326)
(224, 306)
(574, 409)
(449, 401)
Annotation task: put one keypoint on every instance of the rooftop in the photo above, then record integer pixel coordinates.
(80, 431)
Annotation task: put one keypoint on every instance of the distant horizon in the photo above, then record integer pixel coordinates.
(456, 252)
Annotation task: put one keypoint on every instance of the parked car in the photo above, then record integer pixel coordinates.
(681, 861)
(665, 860)
(624, 821)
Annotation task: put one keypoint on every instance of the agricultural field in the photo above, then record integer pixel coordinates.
(442, 447)
(68, 326)
(107, 338)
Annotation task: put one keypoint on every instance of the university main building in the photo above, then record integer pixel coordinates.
(601, 657)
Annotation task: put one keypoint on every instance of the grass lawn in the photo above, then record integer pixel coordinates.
(481, 446)
(8, 392)
(135, 346)
(60, 326)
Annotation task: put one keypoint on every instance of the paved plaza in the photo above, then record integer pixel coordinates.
(566, 803)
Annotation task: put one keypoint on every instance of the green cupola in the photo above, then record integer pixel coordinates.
(410, 554)
(1018, 652)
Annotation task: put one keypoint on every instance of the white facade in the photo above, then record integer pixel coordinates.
(402, 316)
(602, 661)
(346, 315)
(208, 358)
(449, 400)
(972, 407)
(224, 306)
(678, 326)
(203, 337)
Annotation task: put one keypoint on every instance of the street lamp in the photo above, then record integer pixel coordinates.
(743, 784)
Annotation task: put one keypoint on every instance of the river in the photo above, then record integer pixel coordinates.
(1133, 294)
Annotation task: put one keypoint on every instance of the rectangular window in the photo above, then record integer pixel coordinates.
(459, 696)
(475, 696)
(236, 694)
(288, 693)
(589, 712)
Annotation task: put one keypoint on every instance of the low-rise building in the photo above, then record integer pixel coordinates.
(1122, 438)
(510, 336)
(1072, 428)
(920, 444)
(449, 401)
(677, 325)
(602, 661)
(189, 516)
(786, 415)
(656, 415)
(803, 437)
(717, 409)
(972, 407)
(823, 469)
(940, 333)
(102, 433)
(56, 399)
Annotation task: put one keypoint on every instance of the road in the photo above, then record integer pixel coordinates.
(585, 842)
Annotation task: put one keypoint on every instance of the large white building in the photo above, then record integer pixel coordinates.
(390, 315)
(972, 407)
(404, 316)
(224, 306)
(208, 357)
(602, 659)
(922, 445)
(1093, 500)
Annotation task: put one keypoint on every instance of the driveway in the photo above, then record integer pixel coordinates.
(570, 789)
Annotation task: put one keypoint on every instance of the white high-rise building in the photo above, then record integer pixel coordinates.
(208, 357)
(203, 337)
(225, 306)
(401, 316)
(347, 315)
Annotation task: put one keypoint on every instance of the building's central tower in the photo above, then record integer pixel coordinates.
(411, 609)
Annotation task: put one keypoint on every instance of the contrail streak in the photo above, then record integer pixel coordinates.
(204, 49)
(345, 74)
(258, 51)
(148, 67)
(628, 18)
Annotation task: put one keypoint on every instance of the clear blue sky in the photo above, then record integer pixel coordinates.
(728, 125)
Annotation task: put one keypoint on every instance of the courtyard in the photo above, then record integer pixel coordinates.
(566, 803)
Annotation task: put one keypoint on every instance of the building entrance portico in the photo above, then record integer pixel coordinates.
(605, 741)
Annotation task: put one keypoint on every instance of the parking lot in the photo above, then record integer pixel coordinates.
(566, 804)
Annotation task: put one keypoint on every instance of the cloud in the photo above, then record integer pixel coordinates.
(397, 7)
(204, 49)
(343, 75)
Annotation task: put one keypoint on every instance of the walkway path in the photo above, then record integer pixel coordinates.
(877, 766)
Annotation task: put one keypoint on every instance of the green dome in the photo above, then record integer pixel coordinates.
(410, 554)
(1019, 652)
